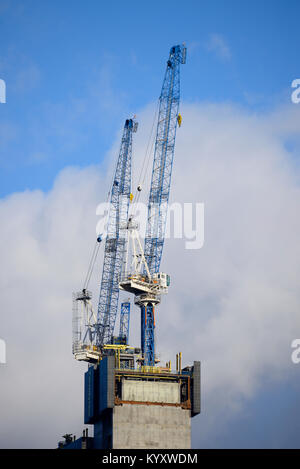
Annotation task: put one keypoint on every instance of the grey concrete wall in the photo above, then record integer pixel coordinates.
(151, 426)
(151, 391)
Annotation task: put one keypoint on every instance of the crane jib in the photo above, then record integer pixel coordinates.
(163, 159)
(115, 244)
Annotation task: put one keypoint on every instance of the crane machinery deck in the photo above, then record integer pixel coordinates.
(131, 401)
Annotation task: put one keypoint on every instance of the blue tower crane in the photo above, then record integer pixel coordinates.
(91, 331)
(168, 119)
(148, 284)
(115, 243)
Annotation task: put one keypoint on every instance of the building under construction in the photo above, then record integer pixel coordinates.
(132, 401)
(136, 408)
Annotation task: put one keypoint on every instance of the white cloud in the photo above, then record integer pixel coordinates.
(219, 46)
(234, 304)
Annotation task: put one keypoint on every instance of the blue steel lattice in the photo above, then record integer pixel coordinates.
(147, 331)
(163, 159)
(115, 244)
(124, 320)
(160, 187)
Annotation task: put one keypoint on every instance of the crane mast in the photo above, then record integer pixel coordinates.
(124, 322)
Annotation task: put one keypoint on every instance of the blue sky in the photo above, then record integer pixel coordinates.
(74, 70)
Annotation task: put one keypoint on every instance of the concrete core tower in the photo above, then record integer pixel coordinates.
(137, 408)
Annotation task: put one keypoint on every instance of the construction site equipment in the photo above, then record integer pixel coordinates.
(131, 401)
(91, 332)
(147, 283)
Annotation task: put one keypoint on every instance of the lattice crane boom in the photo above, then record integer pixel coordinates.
(92, 330)
(115, 243)
(168, 118)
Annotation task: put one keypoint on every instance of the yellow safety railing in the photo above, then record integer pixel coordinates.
(150, 369)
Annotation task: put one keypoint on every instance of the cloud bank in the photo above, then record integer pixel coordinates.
(234, 304)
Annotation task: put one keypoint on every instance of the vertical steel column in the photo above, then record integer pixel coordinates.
(124, 321)
(147, 334)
